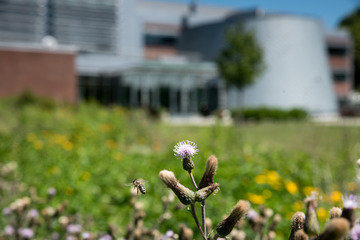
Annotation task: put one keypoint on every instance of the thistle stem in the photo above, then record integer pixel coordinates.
(193, 180)
(197, 221)
(203, 216)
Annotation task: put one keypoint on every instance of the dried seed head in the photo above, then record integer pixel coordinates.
(185, 195)
(298, 221)
(268, 212)
(358, 162)
(335, 230)
(210, 170)
(64, 221)
(204, 193)
(271, 235)
(301, 235)
(277, 218)
(48, 212)
(185, 233)
(208, 224)
(238, 235)
(335, 212)
(239, 211)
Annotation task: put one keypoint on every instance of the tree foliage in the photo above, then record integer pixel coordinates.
(241, 60)
(352, 23)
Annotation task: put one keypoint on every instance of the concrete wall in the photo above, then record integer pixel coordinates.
(45, 73)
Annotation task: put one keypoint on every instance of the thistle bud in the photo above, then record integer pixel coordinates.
(185, 195)
(301, 235)
(210, 170)
(335, 212)
(337, 229)
(239, 211)
(297, 223)
(188, 164)
(204, 193)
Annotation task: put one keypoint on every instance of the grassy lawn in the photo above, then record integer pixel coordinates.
(90, 154)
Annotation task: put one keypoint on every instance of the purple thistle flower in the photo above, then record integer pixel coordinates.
(74, 228)
(26, 233)
(55, 236)
(6, 211)
(169, 233)
(350, 201)
(355, 232)
(9, 230)
(85, 235)
(51, 192)
(33, 214)
(185, 149)
(252, 215)
(105, 237)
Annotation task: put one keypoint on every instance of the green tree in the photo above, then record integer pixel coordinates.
(241, 59)
(352, 23)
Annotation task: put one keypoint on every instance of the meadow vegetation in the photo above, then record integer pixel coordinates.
(89, 154)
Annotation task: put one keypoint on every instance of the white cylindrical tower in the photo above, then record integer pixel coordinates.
(297, 70)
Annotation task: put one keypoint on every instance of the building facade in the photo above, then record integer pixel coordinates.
(340, 51)
(159, 54)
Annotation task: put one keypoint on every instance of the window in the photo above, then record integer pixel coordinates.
(160, 40)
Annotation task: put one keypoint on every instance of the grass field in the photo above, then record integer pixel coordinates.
(90, 154)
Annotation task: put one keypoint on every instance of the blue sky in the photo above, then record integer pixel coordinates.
(329, 11)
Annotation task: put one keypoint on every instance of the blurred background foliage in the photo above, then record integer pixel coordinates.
(90, 154)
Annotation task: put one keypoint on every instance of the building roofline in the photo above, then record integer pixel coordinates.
(34, 47)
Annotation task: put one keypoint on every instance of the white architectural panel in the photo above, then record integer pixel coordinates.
(297, 71)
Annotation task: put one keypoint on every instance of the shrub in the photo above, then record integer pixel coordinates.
(265, 113)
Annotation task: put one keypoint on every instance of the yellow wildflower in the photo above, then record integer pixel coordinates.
(67, 145)
(297, 206)
(291, 187)
(351, 186)
(69, 191)
(322, 214)
(110, 143)
(85, 176)
(255, 198)
(260, 179)
(38, 145)
(273, 177)
(336, 196)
